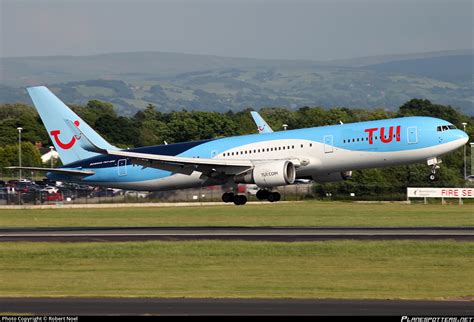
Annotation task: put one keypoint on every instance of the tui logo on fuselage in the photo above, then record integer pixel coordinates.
(383, 136)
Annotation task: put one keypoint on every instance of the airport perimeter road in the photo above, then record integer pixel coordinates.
(140, 306)
(288, 234)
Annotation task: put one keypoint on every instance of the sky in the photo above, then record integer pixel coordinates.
(282, 29)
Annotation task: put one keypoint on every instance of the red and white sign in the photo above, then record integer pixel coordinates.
(440, 192)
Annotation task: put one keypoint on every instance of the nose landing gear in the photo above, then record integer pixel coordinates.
(433, 163)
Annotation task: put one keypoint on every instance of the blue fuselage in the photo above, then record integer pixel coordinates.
(324, 150)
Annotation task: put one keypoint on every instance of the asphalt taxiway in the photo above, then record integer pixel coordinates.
(181, 306)
(289, 234)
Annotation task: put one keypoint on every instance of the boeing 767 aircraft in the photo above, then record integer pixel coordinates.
(268, 159)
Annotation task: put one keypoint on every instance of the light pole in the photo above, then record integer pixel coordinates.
(19, 148)
(51, 155)
(465, 172)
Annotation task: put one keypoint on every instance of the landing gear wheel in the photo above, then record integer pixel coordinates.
(432, 177)
(274, 196)
(262, 194)
(240, 200)
(228, 197)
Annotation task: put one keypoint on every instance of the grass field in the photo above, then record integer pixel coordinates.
(337, 269)
(311, 213)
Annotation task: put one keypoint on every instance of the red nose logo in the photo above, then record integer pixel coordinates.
(62, 145)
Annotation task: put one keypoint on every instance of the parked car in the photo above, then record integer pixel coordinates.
(25, 187)
(12, 182)
(68, 194)
(50, 189)
(58, 196)
(104, 192)
(136, 194)
(470, 178)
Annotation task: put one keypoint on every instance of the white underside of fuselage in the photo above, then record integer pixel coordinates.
(322, 160)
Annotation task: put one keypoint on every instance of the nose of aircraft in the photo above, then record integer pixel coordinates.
(462, 135)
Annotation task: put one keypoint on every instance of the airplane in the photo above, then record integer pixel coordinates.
(321, 154)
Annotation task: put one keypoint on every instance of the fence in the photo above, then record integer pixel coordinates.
(294, 192)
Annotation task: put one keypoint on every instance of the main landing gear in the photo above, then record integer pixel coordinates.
(262, 194)
(268, 195)
(236, 199)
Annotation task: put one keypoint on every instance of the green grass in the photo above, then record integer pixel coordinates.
(338, 269)
(289, 214)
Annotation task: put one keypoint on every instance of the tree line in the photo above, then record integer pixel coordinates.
(152, 127)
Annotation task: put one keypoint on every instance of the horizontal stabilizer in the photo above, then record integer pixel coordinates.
(56, 170)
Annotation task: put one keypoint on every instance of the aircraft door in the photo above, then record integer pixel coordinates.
(214, 153)
(122, 167)
(412, 135)
(328, 144)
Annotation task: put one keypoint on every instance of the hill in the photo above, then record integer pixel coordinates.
(174, 81)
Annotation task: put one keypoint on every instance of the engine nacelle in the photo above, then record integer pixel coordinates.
(270, 174)
(333, 176)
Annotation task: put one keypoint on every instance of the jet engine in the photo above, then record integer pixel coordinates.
(269, 174)
(332, 177)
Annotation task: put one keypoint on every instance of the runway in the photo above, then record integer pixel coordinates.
(180, 306)
(284, 234)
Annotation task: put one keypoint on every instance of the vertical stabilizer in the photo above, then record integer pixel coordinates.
(262, 126)
(56, 116)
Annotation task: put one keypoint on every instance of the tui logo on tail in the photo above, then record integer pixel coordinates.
(62, 145)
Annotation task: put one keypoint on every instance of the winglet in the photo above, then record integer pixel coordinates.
(262, 126)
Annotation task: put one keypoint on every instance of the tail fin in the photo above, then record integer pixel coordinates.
(56, 116)
(262, 126)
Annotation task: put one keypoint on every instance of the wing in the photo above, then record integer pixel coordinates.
(209, 167)
(56, 170)
(184, 165)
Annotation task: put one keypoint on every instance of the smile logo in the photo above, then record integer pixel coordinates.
(62, 145)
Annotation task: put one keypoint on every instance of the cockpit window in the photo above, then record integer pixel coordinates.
(443, 128)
